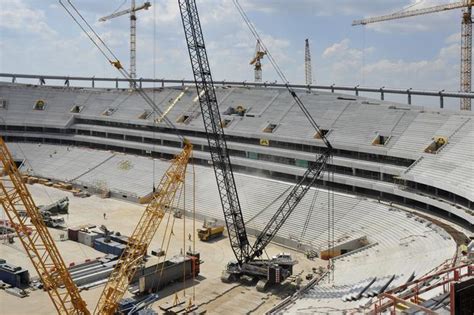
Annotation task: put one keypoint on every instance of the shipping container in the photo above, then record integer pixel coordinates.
(14, 275)
(108, 248)
(87, 238)
(72, 233)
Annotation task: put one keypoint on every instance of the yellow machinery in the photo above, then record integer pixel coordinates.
(38, 243)
(210, 230)
(172, 182)
(256, 60)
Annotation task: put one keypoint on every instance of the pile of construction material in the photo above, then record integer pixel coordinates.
(101, 238)
(93, 272)
(156, 276)
(55, 184)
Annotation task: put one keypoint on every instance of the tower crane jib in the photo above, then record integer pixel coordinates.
(466, 38)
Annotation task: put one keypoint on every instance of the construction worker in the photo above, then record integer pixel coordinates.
(189, 236)
(105, 216)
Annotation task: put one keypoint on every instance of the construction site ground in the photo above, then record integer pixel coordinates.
(209, 292)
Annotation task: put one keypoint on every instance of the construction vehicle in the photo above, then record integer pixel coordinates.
(256, 61)
(466, 37)
(36, 239)
(54, 221)
(171, 183)
(60, 206)
(210, 230)
(267, 271)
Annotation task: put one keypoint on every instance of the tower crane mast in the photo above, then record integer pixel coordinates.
(257, 61)
(133, 32)
(466, 38)
(39, 244)
(307, 63)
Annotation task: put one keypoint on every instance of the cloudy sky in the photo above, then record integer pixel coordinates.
(38, 37)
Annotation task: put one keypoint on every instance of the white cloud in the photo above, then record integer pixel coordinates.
(345, 65)
(16, 15)
(453, 38)
(336, 48)
(343, 50)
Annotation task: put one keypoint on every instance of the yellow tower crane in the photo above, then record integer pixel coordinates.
(170, 184)
(466, 37)
(256, 60)
(38, 243)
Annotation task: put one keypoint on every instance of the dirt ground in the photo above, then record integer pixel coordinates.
(207, 291)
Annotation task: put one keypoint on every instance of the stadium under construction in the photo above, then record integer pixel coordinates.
(201, 196)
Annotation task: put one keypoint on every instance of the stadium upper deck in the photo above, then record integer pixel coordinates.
(415, 155)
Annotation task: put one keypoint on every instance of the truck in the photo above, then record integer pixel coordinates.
(54, 221)
(210, 230)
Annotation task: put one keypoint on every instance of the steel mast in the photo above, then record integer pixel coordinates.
(257, 61)
(307, 63)
(133, 32)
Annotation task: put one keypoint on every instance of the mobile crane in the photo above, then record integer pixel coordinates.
(268, 271)
(171, 183)
(39, 244)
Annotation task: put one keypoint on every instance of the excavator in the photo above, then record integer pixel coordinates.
(248, 257)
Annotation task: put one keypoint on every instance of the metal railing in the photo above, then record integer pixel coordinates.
(382, 91)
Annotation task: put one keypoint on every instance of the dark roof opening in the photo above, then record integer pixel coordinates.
(270, 128)
(3, 103)
(40, 105)
(182, 119)
(438, 143)
(239, 111)
(77, 109)
(145, 114)
(226, 122)
(321, 133)
(381, 140)
(109, 111)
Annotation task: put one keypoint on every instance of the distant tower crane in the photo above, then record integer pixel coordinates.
(466, 37)
(307, 63)
(256, 60)
(133, 32)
